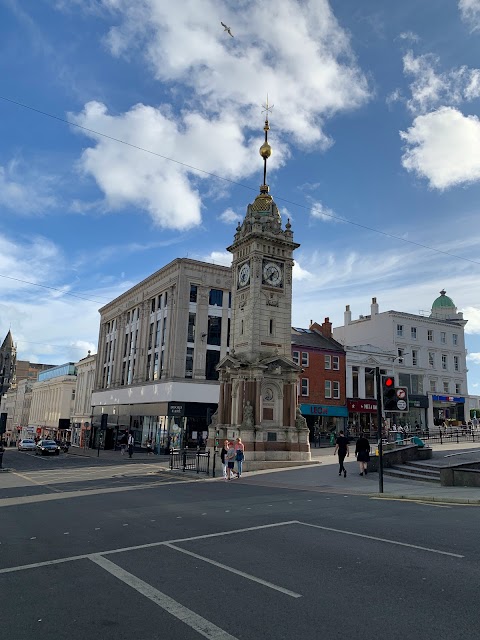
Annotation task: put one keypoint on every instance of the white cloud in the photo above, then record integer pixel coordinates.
(186, 47)
(320, 212)
(444, 147)
(298, 273)
(229, 216)
(219, 257)
(24, 191)
(431, 88)
(472, 314)
(470, 12)
(410, 36)
(474, 357)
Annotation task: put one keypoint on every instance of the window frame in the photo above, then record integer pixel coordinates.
(399, 330)
(328, 362)
(336, 390)
(304, 386)
(305, 359)
(296, 357)
(413, 333)
(335, 363)
(328, 384)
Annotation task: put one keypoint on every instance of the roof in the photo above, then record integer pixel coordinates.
(8, 342)
(443, 301)
(307, 338)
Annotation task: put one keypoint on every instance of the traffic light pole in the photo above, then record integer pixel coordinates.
(379, 429)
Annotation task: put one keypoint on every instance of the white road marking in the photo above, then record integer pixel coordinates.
(248, 576)
(396, 542)
(202, 626)
(148, 545)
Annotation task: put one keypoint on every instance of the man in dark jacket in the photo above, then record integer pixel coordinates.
(362, 451)
(341, 447)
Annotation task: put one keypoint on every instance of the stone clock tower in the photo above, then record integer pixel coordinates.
(258, 391)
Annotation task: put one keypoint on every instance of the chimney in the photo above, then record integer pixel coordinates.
(374, 307)
(347, 316)
(327, 328)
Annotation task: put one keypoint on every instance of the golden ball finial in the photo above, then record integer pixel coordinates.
(265, 150)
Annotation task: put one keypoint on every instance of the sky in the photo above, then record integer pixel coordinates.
(130, 134)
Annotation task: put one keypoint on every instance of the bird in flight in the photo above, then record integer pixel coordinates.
(227, 29)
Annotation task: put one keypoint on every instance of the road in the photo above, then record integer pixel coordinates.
(182, 559)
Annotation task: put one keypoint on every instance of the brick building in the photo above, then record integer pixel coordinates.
(321, 385)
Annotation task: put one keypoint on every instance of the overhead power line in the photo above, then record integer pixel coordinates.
(234, 182)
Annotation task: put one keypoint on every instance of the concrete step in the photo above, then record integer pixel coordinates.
(424, 471)
(398, 472)
(419, 464)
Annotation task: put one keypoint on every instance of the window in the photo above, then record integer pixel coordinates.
(191, 327)
(216, 298)
(433, 386)
(369, 383)
(304, 390)
(430, 335)
(155, 367)
(189, 363)
(443, 337)
(445, 387)
(73, 394)
(157, 333)
(193, 293)
(399, 330)
(213, 358)
(431, 359)
(159, 299)
(304, 359)
(328, 388)
(401, 353)
(241, 328)
(214, 334)
(456, 363)
(414, 358)
(455, 338)
(413, 333)
(164, 330)
(336, 390)
(148, 375)
(336, 363)
(458, 388)
(229, 299)
(228, 332)
(328, 362)
(444, 361)
(270, 327)
(296, 357)
(166, 298)
(152, 305)
(355, 382)
(150, 335)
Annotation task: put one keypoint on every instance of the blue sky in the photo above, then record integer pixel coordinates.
(375, 122)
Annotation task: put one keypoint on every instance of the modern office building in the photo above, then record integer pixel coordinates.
(427, 355)
(158, 348)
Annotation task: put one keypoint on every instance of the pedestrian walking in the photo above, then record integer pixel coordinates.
(149, 446)
(341, 447)
(131, 442)
(239, 456)
(123, 443)
(362, 451)
(223, 453)
(230, 461)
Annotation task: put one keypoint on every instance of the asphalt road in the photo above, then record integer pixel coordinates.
(223, 560)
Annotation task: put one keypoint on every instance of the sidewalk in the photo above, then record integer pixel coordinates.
(324, 477)
(116, 456)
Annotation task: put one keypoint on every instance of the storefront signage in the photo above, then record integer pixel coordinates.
(418, 402)
(456, 399)
(362, 406)
(176, 409)
(323, 410)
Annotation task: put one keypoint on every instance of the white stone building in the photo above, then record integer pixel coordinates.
(53, 397)
(430, 357)
(82, 410)
(159, 345)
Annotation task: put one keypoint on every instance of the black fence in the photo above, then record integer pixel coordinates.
(190, 460)
(429, 437)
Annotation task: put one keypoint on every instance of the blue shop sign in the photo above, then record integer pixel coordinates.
(456, 399)
(323, 410)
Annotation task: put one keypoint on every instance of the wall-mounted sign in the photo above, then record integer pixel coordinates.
(176, 409)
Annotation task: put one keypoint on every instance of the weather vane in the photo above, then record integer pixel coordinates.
(267, 109)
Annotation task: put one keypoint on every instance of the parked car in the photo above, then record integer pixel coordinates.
(26, 444)
(47, 447)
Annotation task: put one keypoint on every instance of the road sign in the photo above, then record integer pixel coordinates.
(401, 393)
(401, 405)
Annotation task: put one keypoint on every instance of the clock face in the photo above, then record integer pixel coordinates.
(244, 274)
(272, 274)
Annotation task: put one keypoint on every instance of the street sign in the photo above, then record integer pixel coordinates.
(401, 405)
(401, 393)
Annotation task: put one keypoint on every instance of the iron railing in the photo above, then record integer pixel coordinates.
(190, 460)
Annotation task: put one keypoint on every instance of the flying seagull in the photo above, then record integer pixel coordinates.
(227, 29)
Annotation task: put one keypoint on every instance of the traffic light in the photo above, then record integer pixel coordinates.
(388, 393)
(393, 398)
(104, 422)
(217, 439)
(3, 423)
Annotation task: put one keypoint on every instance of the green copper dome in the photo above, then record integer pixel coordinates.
(443, 301)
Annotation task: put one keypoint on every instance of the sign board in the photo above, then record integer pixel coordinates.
(401, 393)
(401, 405)
(176, 409)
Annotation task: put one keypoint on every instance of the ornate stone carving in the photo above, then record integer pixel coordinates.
(300, 422)
(214, 419)
(247, 422)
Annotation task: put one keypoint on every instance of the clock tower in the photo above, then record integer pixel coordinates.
(258, 391)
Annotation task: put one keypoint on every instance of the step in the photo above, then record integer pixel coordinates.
(406, 475)
(418, 470)
(418, 464)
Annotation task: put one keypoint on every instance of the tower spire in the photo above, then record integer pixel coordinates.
(265, 149)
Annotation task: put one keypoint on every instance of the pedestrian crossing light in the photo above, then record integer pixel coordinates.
(389, 396)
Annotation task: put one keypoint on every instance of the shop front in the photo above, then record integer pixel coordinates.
(322, 418)
(362, 416)
(448, 409)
